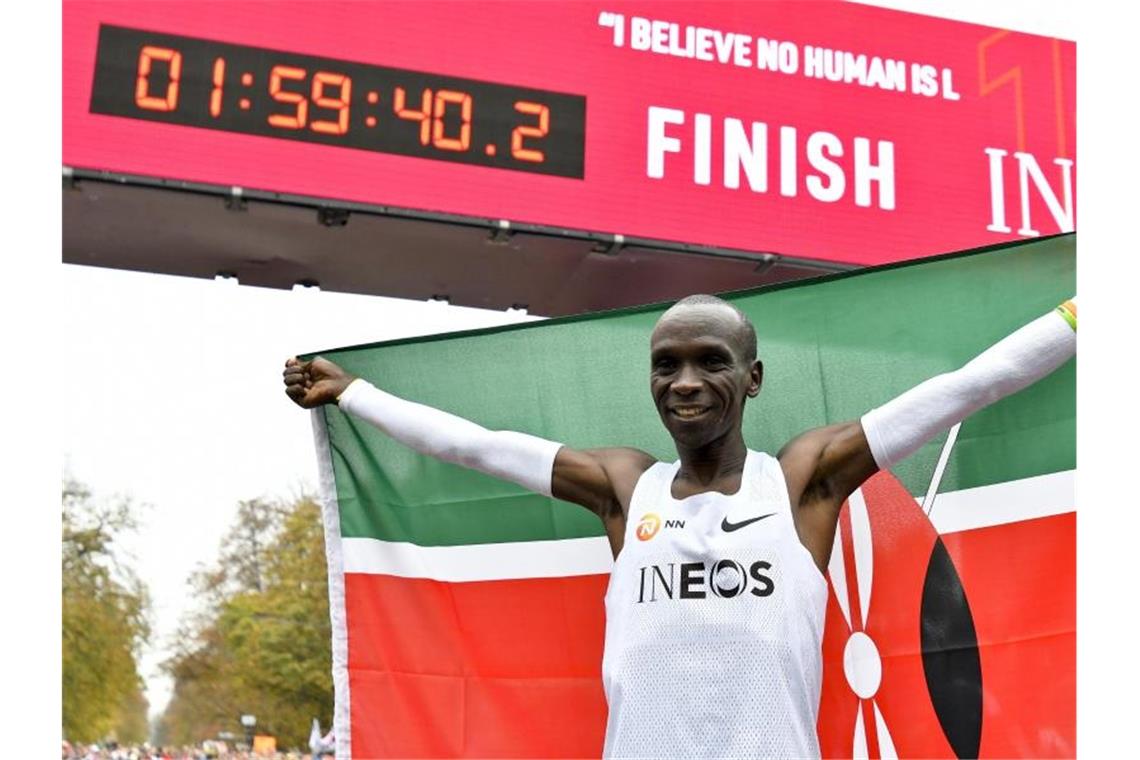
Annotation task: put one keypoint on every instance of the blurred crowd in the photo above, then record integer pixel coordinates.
(204, 751)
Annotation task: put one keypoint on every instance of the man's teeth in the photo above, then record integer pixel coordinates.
(688, 412)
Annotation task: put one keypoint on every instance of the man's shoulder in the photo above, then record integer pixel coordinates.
(600, 479)
(624, 457)
(624, 465)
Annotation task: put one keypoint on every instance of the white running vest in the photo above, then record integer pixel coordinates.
(714, 622)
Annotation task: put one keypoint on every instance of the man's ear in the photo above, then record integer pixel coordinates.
(756, 379)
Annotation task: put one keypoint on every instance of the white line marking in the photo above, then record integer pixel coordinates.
(887, 749)
(940, 468)
(864, 550)
(859, 741)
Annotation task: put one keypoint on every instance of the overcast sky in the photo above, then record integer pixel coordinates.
(172, 385)
(173, 396)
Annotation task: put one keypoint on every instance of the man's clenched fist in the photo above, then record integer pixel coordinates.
(311, 384)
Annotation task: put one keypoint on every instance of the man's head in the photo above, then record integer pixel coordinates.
(703, 366)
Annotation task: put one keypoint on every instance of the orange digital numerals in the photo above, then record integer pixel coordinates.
(442, 98)
(339, 103)
(143, 98)
(301, 105)
(523, 132)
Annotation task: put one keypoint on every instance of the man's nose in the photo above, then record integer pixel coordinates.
(687, 382)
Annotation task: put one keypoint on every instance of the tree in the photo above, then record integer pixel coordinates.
(260, 643)
(105, 622)
(243, 549)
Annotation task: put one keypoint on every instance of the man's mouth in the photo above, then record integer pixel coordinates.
(688, 412)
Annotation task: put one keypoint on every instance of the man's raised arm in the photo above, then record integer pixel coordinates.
(901, 426)
(539, 465)
(831, 462)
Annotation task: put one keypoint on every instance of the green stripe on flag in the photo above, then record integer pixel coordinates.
(832, 349)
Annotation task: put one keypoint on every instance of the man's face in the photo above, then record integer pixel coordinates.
(700, 373)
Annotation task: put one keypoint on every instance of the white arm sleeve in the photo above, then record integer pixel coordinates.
(901, 426)
(517, 457)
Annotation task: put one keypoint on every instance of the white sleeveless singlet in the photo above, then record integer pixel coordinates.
(714, 622)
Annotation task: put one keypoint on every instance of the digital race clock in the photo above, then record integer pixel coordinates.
(237, 88)
(836, 131)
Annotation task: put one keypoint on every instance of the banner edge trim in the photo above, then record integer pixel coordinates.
(334, 557)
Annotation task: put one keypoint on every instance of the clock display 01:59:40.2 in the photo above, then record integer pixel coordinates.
(235, 88)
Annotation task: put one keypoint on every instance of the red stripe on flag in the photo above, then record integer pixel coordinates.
(849, 572)
(1020, 580)
(512, 668)
(490, 668)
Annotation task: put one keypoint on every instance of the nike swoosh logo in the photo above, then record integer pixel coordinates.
(728, 527)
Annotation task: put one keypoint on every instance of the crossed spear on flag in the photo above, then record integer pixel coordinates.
(862, 664)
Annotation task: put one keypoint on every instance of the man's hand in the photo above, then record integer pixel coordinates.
(311, 384)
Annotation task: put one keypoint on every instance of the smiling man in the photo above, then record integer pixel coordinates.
(715, 606)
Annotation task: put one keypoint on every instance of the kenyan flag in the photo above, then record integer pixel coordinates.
(468, 616)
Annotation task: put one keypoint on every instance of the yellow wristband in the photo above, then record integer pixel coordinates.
(1068, 310)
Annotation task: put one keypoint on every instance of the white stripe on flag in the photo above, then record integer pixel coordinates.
(479, 562)
(968, 509)
(1002, 503)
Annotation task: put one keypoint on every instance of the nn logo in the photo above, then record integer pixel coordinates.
(651, 523)
(725, 578)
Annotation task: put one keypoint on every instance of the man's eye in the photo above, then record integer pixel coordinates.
(715, 361)
(663, 365)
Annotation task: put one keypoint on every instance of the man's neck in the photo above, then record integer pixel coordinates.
(708, 466)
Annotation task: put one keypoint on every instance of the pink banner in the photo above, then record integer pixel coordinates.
(833, 131)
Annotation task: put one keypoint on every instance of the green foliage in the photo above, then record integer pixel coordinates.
(132, 725)
(260, 643)
(104, 623)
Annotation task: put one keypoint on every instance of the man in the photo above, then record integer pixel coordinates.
(712, 632)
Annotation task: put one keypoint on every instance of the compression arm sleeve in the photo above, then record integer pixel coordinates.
(517, 457)
(900, 427)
